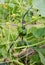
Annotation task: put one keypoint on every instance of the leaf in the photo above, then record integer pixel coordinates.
(39, 4)
(42, 58)
(37, 32)
(35, 58)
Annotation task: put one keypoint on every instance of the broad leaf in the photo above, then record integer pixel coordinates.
(42, 58)
(37, 32)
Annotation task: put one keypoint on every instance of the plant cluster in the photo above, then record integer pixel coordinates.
(22, 32)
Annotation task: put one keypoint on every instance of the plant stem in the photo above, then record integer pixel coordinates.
(30, 45)
(16, 62)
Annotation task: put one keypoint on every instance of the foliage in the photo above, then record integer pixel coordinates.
(22, 26)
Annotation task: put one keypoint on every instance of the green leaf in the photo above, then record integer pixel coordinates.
(39, 4)
(37, 32)
(42, 58)
(35, 58)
